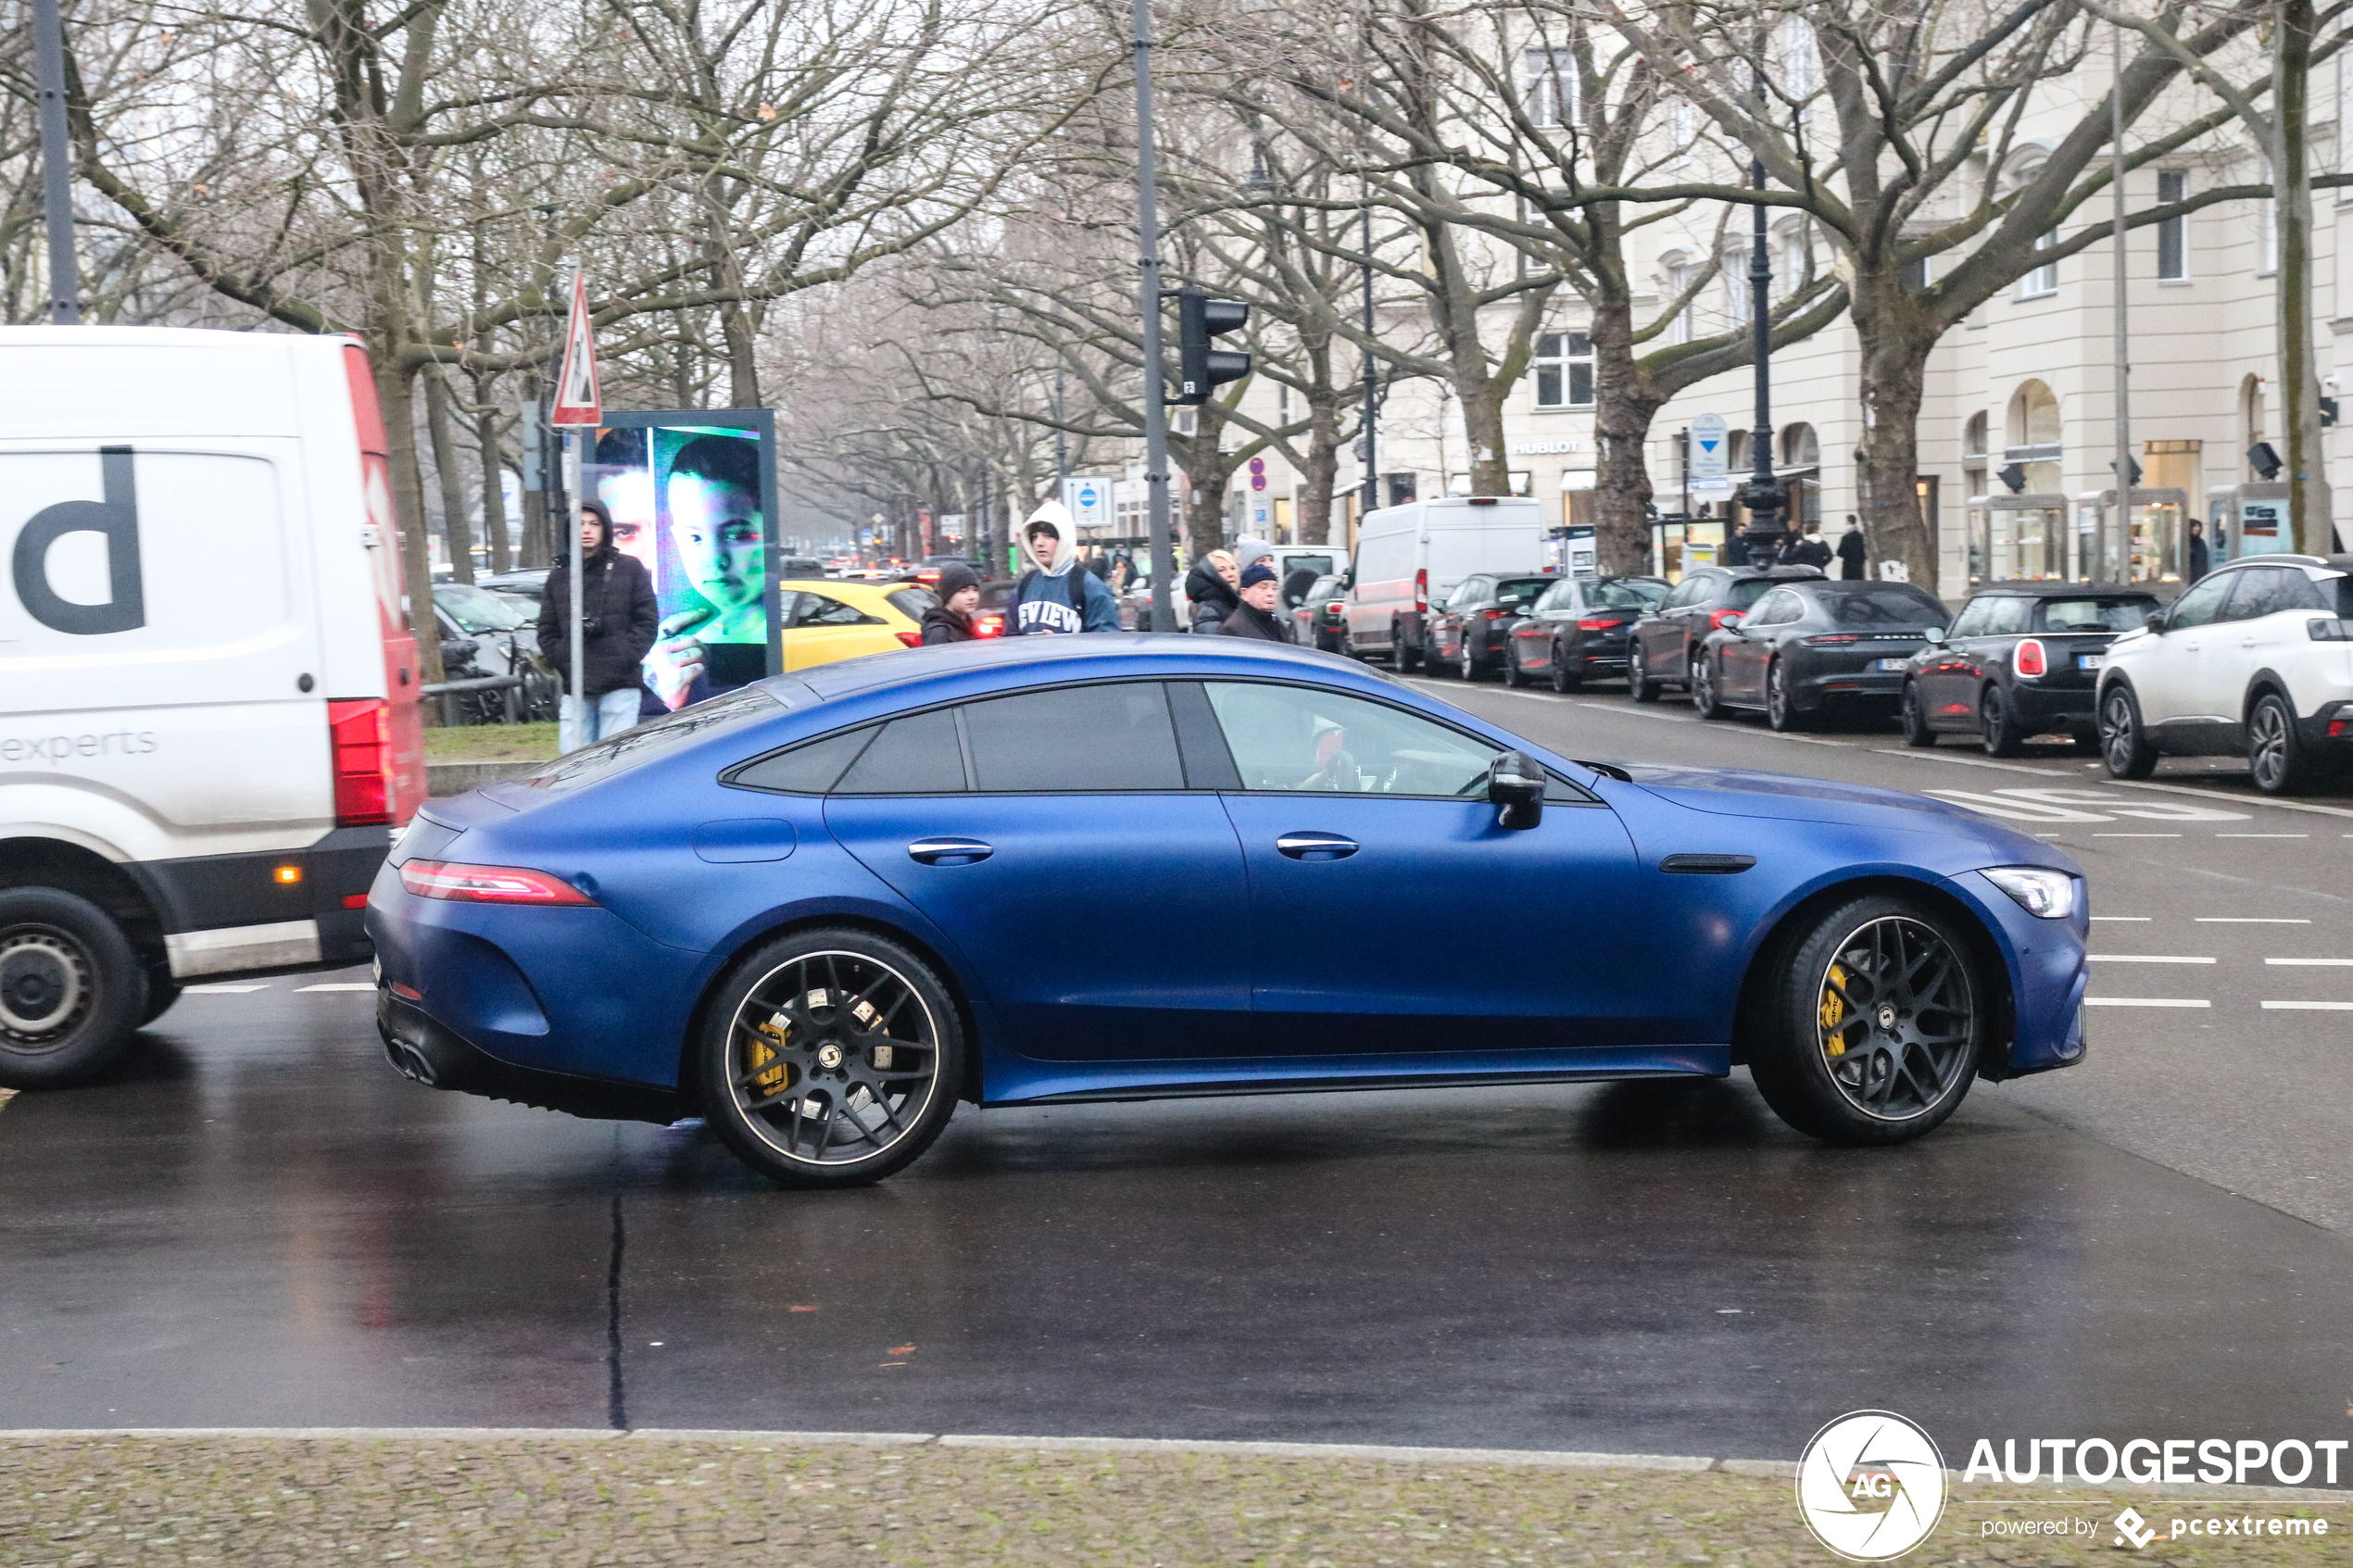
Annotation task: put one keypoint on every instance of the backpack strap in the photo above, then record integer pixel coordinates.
(1078, 590)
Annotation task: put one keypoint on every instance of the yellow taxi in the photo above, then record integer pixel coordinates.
(826, 619)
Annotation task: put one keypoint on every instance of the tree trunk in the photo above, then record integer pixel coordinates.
(1894, 371)
(2310, 510)
(453, 484)
(743, 368)
(396, 392)
(1321, 470)
(494, 471)
(1623, 409)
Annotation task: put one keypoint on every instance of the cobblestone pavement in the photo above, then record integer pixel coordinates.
(565, 1500)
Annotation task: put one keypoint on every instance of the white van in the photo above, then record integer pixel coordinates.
(1411, 556)
(208, 716)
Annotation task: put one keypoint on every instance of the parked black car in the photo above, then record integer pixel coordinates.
(1664, 646)
(1577, 630)
(2021, 660)
(1465, 635)
(1810, 647)
(1320, 619)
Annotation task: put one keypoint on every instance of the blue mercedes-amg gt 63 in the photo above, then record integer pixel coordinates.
(821, 910)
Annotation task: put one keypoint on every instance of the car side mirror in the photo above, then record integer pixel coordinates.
(1933, 635)
(1733, 623)
(1515, 789)
(2155, 621)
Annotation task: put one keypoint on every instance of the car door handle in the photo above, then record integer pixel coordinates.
(1315, 846)
(949, 851)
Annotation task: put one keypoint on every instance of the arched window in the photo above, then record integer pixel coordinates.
(2034, 416)
(1973, 435)
(1676, 271)
(1734, 268)
(1800, 448)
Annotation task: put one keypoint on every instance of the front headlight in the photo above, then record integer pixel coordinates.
(2039, 892)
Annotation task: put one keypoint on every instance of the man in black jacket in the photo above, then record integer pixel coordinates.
(1852, 551)
(1255, 616)
(618, 616)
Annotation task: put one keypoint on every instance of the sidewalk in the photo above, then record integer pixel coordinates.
(811, 1500)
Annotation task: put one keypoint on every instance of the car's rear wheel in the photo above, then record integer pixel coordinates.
(1997, 726)
(1562, 681)
(1781, 703)
(1638, 684)
(1406, 657)
(830, 1058)
(1704, 697)
(1513, 676)
(2125, 747)
(2276, 755)
(72, 989)
(1467, 659)
(1875, 1027)
(1915, 718)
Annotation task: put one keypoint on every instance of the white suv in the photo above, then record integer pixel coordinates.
(2255, 659)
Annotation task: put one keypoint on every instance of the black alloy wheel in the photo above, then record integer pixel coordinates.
(1468, 657)
(1562, 681)
(1915, 718)
(831, 1059)
(1513, 676)
(1704, 696)
(1406, 657)
(1997, 725)
(72, 989)
(1781, 706)
(1876, 1027)
(1638, 684)
(2125, 747)
(2276, 755)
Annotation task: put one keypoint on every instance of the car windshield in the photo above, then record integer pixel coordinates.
(1518, 593)
(1624, 593)
(1893, 605)
(2095, 615)
(477, 610)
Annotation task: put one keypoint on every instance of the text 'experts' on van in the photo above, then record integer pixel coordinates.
(209, 719)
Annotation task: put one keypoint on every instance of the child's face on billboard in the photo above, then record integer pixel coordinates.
(629, 495)
(716, 528)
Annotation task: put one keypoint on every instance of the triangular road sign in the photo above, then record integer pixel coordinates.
(577, 401)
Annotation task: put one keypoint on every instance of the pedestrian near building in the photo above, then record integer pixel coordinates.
(1808, 548)
(2201, 559)
(618, 618)
(1255, 617)
(1852, 551)
(1056, 594)
(951, 620)
(1210, 589)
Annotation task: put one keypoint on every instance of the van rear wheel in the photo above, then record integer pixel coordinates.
(71, 989)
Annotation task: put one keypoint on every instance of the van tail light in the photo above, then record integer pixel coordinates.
(404, 787)
(909, 639)
(2030, 660)
(1716, 618)
(359, 731)
(488, 884)
(1421, 590)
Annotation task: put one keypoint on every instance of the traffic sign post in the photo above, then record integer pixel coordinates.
(578, 405)
(1711, 456)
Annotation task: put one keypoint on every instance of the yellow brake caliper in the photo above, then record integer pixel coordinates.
(780, 1077)
(1833, 1011)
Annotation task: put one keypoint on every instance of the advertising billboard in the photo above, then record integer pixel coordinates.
(692, 497)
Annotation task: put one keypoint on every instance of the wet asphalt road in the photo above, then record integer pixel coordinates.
(257, 1223)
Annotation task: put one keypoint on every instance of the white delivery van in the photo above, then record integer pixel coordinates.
(209, 719)
(1411, 556)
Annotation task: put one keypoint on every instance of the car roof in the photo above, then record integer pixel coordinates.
(1857, 585)
(2049, 590)
(1094, 654)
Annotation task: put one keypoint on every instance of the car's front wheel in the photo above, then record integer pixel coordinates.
(1875, 1025)
(831, 1058)
(2125, 747)
(1915, 718)
(2276, 755)
(72, 989)
(1638, 684)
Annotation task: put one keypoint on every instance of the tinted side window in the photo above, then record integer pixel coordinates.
(811, 769)
(1971, 622)
(1891, 605)
(1774, 608)
(1320, 742)
(1688, 592)
(913, 756)
(630, 748)
(1747, 591)
(2095, 615)
(1074, 738)
(2267, 590)
(2198, 606)
(2006, 614)
(910, 602)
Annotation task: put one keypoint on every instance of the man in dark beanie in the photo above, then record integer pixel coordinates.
(1260, 592)
(951, 620)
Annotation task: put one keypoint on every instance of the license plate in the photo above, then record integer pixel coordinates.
(2090, 660)
(1889, 663)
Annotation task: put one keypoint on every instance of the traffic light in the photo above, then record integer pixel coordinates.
(1199, 367)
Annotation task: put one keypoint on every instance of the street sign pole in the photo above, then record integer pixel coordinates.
(1156, 414)
(57, 164)
(578, 406)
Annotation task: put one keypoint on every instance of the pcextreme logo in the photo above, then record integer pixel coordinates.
(1871, 1486)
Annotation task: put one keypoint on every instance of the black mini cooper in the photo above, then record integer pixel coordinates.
(2021, 660)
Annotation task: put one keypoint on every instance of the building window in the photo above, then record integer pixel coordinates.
(1675, 272)
(1552, 95)
(1564, 370)
(2271, 260)
(2173, 235)
(2040, 281)
(1736, 290)
(1679, 133)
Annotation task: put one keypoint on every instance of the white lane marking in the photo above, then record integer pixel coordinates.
(338, 986)
(1635, 712)
(2141, 920)
(2262, 836)
(2112, 783)
(1803, 740)
(220, 990)
(2308, 1006)
(2312, 963)
(2075, 805)
(2143, 957)
(2250, 920)
(2145, 1002)
(2136, 835)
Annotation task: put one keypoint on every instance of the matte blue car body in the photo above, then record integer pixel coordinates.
(688, 873)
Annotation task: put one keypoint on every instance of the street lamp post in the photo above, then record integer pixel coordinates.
(1765, 497)
(1154, 389)
(57, 164)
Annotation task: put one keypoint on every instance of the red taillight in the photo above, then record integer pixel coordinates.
(1831, 640)
(2030, 660)
(1495, 614)
(989, 625)
(1589, 625)
(1421, 591)
(487, 884)
(359, 730)
(1716, 618)
(909, 639)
